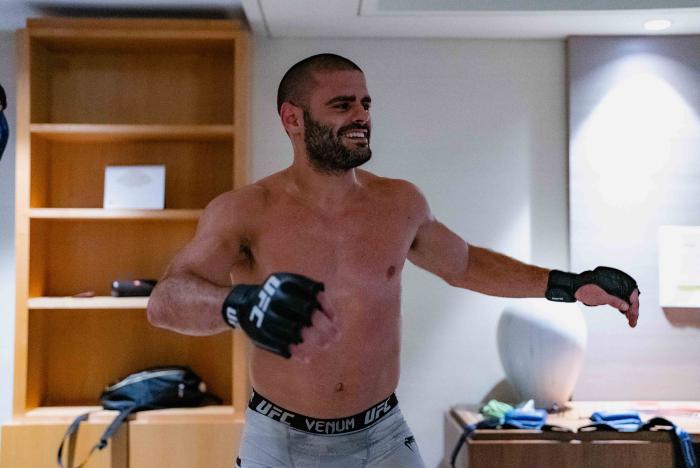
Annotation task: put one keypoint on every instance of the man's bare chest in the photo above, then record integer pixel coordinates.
(355, 245)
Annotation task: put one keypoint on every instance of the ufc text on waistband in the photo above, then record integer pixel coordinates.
(303, 423)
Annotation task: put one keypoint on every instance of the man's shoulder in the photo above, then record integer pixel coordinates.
(246, 199)
(402, 196)
(400, 188)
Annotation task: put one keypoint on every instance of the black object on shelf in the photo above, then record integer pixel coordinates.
(133, 288)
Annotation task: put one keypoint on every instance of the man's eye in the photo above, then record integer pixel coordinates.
(366, 106)
(343, 106)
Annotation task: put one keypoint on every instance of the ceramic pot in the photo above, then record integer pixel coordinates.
(542, 345)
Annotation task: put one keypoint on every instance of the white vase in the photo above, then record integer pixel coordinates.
(542, 346)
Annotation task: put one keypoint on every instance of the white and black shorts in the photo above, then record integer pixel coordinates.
(377, 437)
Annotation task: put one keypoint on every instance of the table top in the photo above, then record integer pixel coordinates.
(576, 414)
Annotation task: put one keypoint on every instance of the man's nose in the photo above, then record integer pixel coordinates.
(360, 114)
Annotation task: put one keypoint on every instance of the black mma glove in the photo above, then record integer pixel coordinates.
(4, 128)
(562, 287)
(273, 314)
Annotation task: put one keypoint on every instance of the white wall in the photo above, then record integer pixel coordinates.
(480, 126)
(7, 226)
(635, 134)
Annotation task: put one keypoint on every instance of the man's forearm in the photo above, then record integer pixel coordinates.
(495, 274)
(188, 304)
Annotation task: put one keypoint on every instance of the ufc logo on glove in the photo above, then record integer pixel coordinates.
(268, 289)
(273, 314)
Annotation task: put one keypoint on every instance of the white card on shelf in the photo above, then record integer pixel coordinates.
(135, 187)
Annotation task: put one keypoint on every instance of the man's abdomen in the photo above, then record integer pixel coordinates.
(346, 378)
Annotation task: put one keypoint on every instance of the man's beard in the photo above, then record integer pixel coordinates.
(326, 151)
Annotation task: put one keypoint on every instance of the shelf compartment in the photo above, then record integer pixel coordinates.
(112, 344)
(105, 132)
(70, 174)
(70, 257)
(97, 302)
(119, 80)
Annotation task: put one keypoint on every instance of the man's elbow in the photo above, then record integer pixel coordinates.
(455, 280)
(156, 312)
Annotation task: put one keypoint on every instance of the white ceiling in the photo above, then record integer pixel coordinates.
(525, 19)
(467, 18)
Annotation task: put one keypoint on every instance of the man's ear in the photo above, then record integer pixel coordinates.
(292, 118)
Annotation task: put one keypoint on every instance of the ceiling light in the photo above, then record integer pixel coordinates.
(657, 25)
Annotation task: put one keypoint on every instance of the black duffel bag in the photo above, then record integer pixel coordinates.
(149, 389)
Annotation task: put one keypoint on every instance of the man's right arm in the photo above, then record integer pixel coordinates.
(188, 298)
(288, 314)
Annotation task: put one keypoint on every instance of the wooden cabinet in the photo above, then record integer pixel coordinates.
(513, 448)
(182, 439)
(94, 93)
(32, 442)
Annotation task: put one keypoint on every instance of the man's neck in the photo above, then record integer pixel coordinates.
(326, 191)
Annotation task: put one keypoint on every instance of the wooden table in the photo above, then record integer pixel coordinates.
(537, 449)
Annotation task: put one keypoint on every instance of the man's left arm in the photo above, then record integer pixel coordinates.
(439, 250)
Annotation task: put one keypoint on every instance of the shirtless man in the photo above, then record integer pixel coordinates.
(315, 254)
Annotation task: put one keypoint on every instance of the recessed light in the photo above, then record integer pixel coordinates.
(657, 25)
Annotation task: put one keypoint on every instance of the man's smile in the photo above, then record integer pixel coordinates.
(356, 135)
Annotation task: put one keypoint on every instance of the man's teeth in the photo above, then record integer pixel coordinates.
(355, 134)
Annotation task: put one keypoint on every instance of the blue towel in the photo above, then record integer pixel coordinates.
(628, 421)
(520, 419)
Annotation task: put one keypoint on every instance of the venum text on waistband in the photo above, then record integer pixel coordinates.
(311, 425)
(332, 426)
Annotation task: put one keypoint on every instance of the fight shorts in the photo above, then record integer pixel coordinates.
(276, 437)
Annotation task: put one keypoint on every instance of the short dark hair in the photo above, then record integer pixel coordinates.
(296, 83)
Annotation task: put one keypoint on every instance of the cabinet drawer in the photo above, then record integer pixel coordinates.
(35, 445)
(184, 445)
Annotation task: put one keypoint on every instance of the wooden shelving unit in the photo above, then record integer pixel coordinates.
(93, 93)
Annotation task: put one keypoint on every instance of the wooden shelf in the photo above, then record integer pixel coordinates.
(68, 413)
(122, 132)
(203, 414)
(48, 414)
(97, 302)
(102, 214)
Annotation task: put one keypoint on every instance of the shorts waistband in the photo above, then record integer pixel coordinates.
(353, 423)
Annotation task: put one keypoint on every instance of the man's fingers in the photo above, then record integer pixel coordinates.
(633, 312)
(326, 306)
(299, 353)
(316, 338)
(593, 295)
(322, 328)
(619, 304)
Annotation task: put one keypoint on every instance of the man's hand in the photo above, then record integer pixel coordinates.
(602, 286)
(593, 295)
(287, 315)
(319, 336)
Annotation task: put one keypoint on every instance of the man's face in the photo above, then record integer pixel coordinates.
(337, 124)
